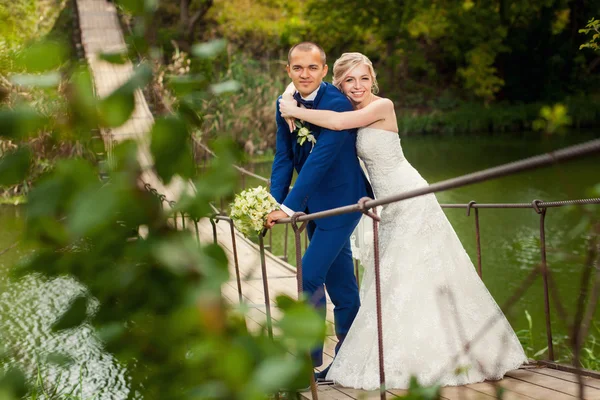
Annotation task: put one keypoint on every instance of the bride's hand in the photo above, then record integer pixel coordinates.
(289, 90)
(287, 107)
(288, 96)
(291, 123)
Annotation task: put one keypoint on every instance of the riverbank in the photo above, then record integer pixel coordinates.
(584, 112)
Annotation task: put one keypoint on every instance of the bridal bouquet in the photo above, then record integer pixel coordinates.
(250, 209)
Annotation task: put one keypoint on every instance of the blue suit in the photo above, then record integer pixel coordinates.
(328, 177)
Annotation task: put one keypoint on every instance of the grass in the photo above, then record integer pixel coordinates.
(42, 389)
(589, 354)
(13, 200)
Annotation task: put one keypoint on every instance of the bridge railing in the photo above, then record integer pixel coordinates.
(368, 207)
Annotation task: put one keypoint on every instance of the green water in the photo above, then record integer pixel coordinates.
(509, 238)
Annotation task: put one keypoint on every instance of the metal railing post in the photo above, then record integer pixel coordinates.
(477, 236)
(545, 272)
(263, 267)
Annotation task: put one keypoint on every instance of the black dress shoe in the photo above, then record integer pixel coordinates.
(321, 377)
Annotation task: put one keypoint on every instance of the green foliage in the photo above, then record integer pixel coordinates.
(247, 115)
(592, 27)
(42, 56)
(171, 149)
(160, 309)
(485, 51)
(22, 22)
(418, 392)
(260, 26)
(30, 58)
(480, 75)
(14, 166)
(20, 122)
(552, 119)
(116, 108)
(478, 119)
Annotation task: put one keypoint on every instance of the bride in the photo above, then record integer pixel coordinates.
(433, 302)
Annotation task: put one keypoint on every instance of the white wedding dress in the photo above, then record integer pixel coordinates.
(433, 301)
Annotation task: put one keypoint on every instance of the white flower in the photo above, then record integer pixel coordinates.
(250, 209)
(304, 135)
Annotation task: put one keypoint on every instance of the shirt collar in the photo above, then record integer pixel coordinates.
(311, 96)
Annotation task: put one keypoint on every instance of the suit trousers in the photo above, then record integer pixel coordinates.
(327, 263)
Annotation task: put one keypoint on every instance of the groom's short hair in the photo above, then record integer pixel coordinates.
(307, 46)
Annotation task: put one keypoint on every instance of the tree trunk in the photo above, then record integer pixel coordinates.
(189, 23)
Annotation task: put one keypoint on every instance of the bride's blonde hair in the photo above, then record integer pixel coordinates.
(347, 62)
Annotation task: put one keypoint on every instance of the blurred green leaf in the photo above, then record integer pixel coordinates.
(418, 392)
(43, 56)
(225, 87)
(214, 265)
(116, 108)
(217, 255)
(171, 149)
(301, 324)
(187, 84)
(74, 316)
(92, 210)
(276, 373)
(109, 332)
(47, 80)
(133, 6)
(210, 390)
(14, 166)
(20, 122)
(179, 253)
(190, 114)
(209, 49)
(54, 194)
(114, 58)
(219, 181)
(12, 384)
(83, 100)
(285, 302)
(59, 359)
(150, 6)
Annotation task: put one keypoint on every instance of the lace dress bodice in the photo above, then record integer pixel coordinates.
(382, 154)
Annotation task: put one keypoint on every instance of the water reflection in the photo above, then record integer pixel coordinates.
(28, 308)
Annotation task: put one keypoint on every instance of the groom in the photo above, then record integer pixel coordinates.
(329, 176)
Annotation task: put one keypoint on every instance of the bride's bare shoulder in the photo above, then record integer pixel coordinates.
(383, 102)
(384, 108)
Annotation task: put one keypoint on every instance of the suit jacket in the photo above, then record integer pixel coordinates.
(328, 177)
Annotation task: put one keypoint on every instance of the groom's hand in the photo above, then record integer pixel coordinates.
(274, 216)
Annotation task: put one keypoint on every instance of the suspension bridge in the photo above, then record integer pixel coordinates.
(258, 275)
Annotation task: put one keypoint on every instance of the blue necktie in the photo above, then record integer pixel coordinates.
(305, 103)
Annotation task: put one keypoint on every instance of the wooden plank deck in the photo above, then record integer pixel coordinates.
(101, 32)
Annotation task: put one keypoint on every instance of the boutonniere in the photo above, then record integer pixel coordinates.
(304, 135)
